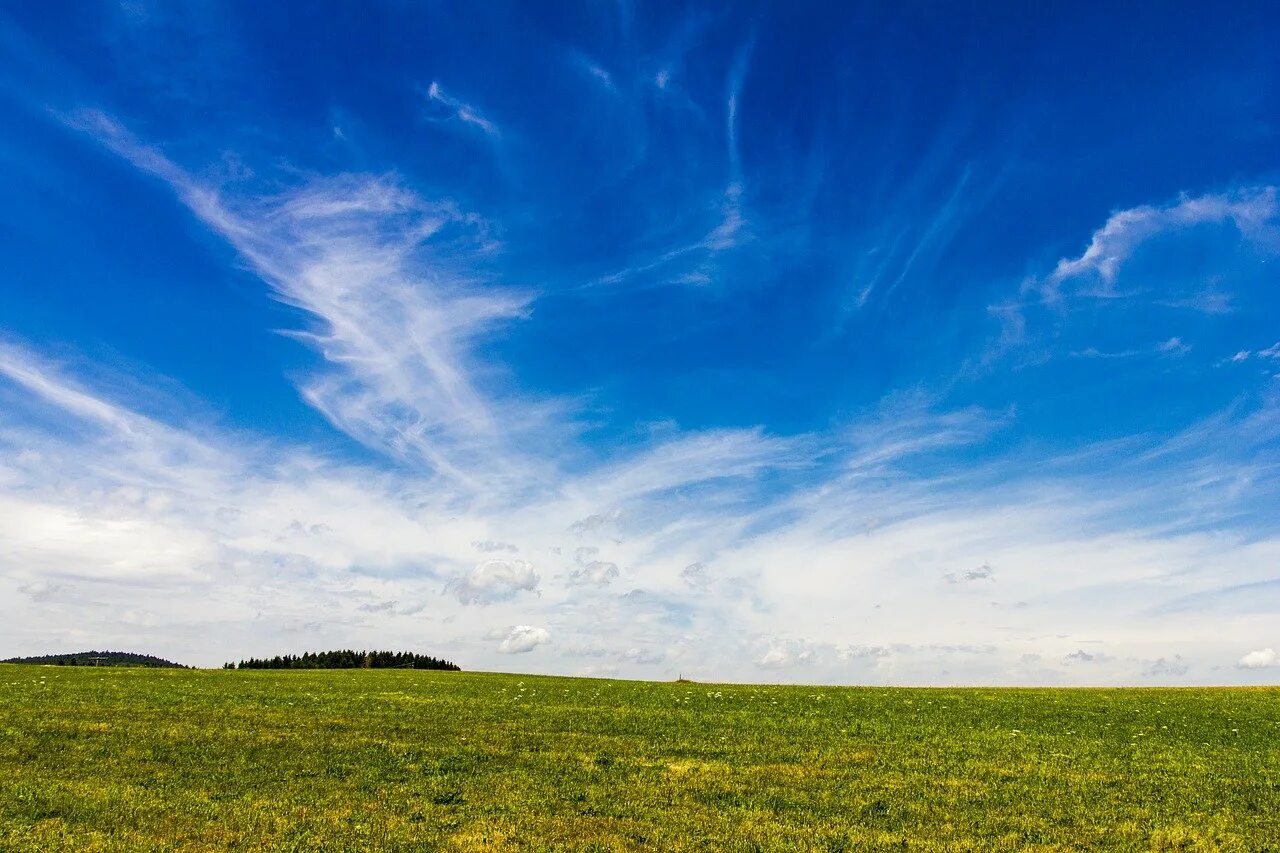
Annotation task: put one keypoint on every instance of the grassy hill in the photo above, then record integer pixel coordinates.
(400, 759)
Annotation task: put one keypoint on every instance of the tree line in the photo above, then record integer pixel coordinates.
(93, 658)
(347, 659)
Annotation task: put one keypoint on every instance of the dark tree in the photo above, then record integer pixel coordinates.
(349, 659)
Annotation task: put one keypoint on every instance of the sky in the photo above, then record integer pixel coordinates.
(881, 343)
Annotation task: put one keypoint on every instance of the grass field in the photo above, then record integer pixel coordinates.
(162, 759)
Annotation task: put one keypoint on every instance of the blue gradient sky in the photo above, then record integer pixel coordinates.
(883, 343)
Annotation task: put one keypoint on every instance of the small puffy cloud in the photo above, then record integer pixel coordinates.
(495, 580)
(853, 652)
(1260, 659)
(29, 457)
(1166, 667)
(596, 572)
(636, 655)
(392, 608)
(695, 575)
(981, 573)
(599, 670)
(945, 649)
(519, 639)
(40, 590)
(297, 528)
(1242, 355)
(783, 654)
(592, 523)
(1081, 656)
(488, 546)
(1173, 346)
(380, 607)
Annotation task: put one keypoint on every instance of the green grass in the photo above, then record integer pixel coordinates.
(164, 759)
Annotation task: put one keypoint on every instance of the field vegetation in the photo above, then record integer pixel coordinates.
(114, 758)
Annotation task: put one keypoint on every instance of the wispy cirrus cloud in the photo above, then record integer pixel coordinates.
(1149, 262)
(460, 110)
(899, 260)
(386, 275)
(1251, 212)
(694, 261)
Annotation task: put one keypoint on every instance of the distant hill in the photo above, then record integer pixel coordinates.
(348, 659)
(98, 659)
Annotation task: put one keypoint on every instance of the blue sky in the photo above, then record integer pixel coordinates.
(888, 343)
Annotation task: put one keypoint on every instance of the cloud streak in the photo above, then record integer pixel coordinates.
(1251, 212)
(460, 110)
(386, 276)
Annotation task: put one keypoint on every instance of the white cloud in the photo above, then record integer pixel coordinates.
(1252, 212)
(784, 654)
(643, 656)
(1081, 656)
(595, 71)
(1260, 659)
(384, 274)
(488, 546)
(596, 572)
(464, 112)
(1174, 667)
(592, 523)
(220, 532)
(40, 590)
(495, 580)
(1210, 254)
(523, 638)
(695, 575)
(859, 652)
(1173, 346)
(693, 260)
(981, 573)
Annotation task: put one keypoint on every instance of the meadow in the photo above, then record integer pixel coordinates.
(150, 759)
